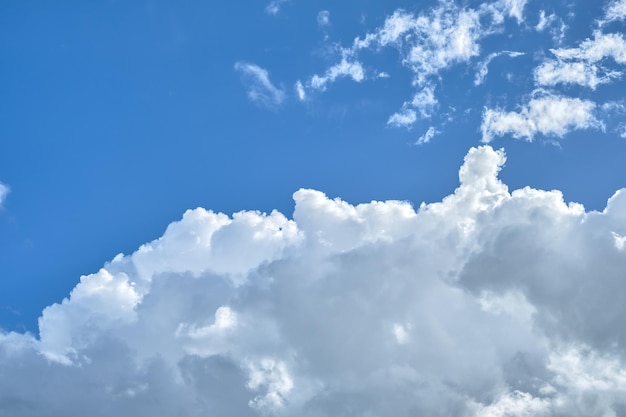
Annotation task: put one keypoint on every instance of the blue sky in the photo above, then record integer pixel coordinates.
(117, 117)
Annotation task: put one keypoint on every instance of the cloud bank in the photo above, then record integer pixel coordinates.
(487, 303)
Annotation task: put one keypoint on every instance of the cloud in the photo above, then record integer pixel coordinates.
(346, 68)
(548, 115)
(428, 43)
(603, 45)
(487, 303)
(4, 191)
(583, 65)
(615, 10)
(260, 88)
(404, 118)
(483, 67)
(273, 8)
(423, 103)
(551, 73)
(300, 91)
(323, 18)
(426, 137)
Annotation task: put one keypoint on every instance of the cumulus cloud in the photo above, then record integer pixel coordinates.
(260, 88)
(487, 303)
(4, 191)
(548, 115)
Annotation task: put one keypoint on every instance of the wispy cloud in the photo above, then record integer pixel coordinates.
(427, 136)
(323, 18)
(548, 115)
(615, 10)
(273, 8)
(4, 191)
(428, 43)
(346, 68)
(483, 66)
(260, 88)
(583, 65)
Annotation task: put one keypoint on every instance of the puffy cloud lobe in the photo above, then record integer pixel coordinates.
(260, 88)
(487, 303)
(549, 115)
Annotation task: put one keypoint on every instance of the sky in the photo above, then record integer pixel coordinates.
(298, 208)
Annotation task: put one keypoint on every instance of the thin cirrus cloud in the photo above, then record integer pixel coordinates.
(548, 115)
(377, 308)
(260, 88)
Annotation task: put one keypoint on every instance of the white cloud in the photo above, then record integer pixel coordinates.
(426, 137)
(404, 118)
(428, 43)
(549, 115)
(260, 88)
(615, 10)
(323, 18)
(487, 303)
(351, 69)
(300, 91)
(551, 73)
(274, 6)
(4, 191)
(583, 65)
(603, 45)
(483, 67)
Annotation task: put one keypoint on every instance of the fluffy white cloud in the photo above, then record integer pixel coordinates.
(548, 115)
(260, 88)
(582, 65)
(615, 10)
(601, 46)
(4, 191)
(487, 303)
(551, 73)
